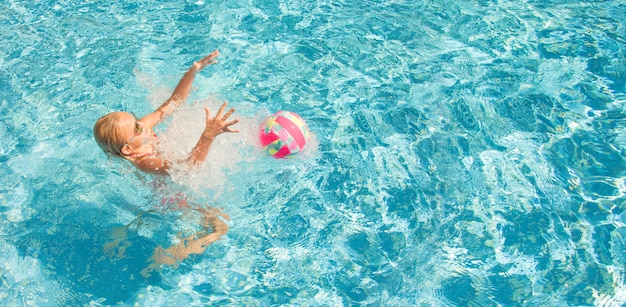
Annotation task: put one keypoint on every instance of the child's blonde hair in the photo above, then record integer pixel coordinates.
(108, 134)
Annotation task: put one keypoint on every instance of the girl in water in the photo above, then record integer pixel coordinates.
(122, 135)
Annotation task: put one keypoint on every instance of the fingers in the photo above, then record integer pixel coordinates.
(219, 123)
(228, 114)
(212, 55)
(219, 113)
(230, 123)
(210, 59)
(207, 60)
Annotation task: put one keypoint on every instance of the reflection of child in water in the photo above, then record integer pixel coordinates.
(212, 229)
(123, 135)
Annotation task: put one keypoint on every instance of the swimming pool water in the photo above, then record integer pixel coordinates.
(465, 153)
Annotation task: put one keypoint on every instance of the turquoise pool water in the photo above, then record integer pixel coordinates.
(464, 153)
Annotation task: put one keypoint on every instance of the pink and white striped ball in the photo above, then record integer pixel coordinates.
(283, 134)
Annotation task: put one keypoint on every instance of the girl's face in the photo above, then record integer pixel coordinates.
(133, 131)
(140, 135)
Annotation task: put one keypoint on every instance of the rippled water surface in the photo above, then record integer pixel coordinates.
(463, 153)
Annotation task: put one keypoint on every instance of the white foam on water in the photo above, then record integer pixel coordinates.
(227, 152)
(234, 159)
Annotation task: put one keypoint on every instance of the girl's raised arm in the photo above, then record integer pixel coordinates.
(181, 92)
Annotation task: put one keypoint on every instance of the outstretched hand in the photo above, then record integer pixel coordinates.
(218, 124)
(209, 59)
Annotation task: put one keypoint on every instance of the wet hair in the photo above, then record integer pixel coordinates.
(108, 134)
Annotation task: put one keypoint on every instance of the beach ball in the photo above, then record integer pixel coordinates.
(283, 134)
